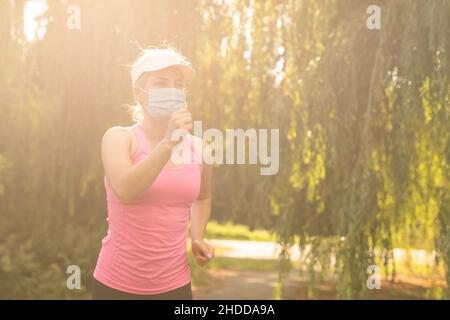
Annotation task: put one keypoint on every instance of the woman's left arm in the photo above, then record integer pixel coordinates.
(200, 212)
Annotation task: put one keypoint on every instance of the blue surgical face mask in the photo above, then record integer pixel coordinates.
(163, 101)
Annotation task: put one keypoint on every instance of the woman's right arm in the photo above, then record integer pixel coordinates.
(129, 181)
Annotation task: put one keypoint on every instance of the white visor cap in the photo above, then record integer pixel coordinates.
(157, 59)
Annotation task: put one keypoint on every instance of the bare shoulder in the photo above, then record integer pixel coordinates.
(117, 134)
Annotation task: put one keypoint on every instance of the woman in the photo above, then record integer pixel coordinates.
(150, 196)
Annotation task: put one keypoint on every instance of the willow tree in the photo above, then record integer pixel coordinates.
(369, 134)
(363, 116)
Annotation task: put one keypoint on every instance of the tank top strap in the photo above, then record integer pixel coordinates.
(142, 141)
(188, 143)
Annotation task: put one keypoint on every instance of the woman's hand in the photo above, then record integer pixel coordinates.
(180, 119)
(202, 251)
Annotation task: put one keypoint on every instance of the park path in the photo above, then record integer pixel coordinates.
(246, 285)
(270, 250)
(251, 284)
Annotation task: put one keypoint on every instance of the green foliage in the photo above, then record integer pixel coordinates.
(376, 105)
(363, 118)
(232, 231)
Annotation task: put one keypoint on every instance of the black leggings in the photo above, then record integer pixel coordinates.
(103, 292)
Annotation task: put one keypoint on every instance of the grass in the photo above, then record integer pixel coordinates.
(231, 231)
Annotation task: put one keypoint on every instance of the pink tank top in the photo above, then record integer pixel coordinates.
(144, 251)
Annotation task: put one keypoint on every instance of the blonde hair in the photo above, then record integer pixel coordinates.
(136, 110)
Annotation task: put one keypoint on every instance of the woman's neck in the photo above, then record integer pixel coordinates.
(154, 129)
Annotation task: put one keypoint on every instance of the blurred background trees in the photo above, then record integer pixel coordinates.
(363, 118)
